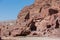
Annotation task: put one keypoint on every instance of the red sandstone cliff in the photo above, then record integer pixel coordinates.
(39, 19)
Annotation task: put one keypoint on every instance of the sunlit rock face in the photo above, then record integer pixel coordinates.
(39, 19)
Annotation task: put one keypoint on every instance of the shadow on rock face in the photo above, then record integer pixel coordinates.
(53, 11)
(23, 33)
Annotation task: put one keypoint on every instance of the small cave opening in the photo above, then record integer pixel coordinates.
(9, 33)
(7, 27)
(48, 26)
(44, 33)
(40, 10)
(32, 26)
(53, 11)
(57, 24)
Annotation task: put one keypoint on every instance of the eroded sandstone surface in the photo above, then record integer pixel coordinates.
(39, 19)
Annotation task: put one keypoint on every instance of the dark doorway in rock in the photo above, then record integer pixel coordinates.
(48, 26)
(9, 33)
(32, 26)
(57, 24)
(52, 11)
(40, 10)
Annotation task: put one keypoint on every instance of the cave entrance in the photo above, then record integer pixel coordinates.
(32, 26)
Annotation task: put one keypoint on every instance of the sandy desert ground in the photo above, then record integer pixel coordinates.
(30, 38)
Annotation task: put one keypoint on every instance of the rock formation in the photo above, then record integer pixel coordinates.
(39, 19)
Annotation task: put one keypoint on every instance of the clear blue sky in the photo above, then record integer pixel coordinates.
(9, 9)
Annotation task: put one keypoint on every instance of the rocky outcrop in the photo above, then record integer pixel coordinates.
(40, 19)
